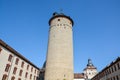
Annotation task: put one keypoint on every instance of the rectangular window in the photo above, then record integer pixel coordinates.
(117, 78)
(34, 78)
(38, 72)
(30, 76)
(27, 66)
(10, 58)
(115, 67)
(118, 65)
(113, 78)
(14, 71)
(4, 77)
(112, 69)
(17, 60)
(7, 67)
(20, 73)
(22, 65)
(31, 69)
(35, 71)
(26, 75)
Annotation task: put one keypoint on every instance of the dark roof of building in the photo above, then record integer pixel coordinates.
(16, 53)
(111, 64)
(55, 15)
(78, 75)
(108, 66)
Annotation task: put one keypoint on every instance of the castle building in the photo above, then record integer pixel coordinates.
(59, 61)
(110, 72)
(14, 66)
(90, 71)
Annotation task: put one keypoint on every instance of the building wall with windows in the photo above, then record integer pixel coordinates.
(14, 66)
(110, 72)
(90, 71)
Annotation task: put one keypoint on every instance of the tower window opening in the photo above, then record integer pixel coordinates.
(58, 19)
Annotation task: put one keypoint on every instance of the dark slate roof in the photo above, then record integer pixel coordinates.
(55, 15)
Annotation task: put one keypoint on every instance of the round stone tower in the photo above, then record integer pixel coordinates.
(59, 61)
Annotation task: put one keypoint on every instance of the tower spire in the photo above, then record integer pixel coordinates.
(61, 10)
(89, 62)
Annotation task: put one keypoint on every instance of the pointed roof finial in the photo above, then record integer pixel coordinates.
(89, 62)
(61, 10)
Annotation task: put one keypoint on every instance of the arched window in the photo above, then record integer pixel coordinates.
(4, 77)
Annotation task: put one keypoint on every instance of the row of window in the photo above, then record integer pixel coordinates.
(109, 71)
(59, 20)
(112, 78)
(22, 64)
(61, 25)
(13, 78)
(91, 73)
(14, 70)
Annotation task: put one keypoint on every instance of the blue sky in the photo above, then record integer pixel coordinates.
(24, 26)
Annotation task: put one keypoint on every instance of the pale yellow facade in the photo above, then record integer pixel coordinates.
(12, 70)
